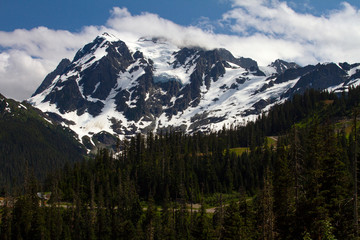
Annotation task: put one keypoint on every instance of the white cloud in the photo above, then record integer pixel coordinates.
(151, 25)
(4, 62)
(262, 29)
(331, 37)
(17, 70)
(31, 54)
(260, 47)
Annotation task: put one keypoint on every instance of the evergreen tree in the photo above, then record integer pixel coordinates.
(232, 222)
(201, 228)
(5, 222)
(167, 222)
(267, 222)
(285, 188)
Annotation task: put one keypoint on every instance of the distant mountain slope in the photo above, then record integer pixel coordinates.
(118, 88)
(29, 142)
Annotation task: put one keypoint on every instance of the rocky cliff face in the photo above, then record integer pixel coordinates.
(118, 88)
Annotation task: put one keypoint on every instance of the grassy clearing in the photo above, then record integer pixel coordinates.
(239, 151)
(347, 125)
(272, 141)
(210, 202)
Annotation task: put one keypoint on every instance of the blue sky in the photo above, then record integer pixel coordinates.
(36, 34)
(73, 15)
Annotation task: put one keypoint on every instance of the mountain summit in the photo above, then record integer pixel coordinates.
(118, 88)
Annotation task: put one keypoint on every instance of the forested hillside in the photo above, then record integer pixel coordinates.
(29, 143)
(296, 184)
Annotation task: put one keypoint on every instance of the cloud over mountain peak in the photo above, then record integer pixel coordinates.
(263, 30)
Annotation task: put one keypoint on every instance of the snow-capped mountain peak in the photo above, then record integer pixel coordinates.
(151, 85)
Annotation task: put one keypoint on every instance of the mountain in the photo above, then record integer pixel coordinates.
(112, 88)
(30, 142)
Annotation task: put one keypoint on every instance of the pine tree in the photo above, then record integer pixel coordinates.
(218, 218)
(355, 181)
(5, 222)
(286, 192)
(38, 229)
(232, 222)
(248, 229)
(150, 220)
(266, 208)
(167, 222)
(201, 227)
(54, 220)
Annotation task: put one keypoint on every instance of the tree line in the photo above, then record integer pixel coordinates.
(300, 188)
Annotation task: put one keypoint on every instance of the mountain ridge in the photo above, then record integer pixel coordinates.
(151, 85)
(31, 143)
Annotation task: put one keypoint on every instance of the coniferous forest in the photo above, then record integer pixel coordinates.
(291, 174)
